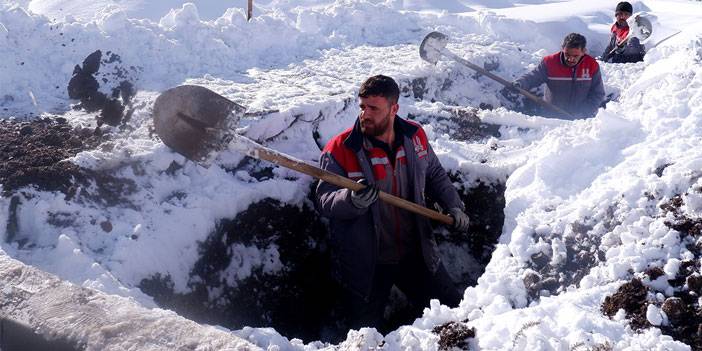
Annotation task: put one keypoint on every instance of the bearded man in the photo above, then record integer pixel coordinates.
(375, 245)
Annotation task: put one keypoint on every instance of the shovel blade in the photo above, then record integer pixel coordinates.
(640, 26)
(430, 49)
(195, 121)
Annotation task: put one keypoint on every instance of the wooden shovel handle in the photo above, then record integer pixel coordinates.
(502, 81)
(255, 150)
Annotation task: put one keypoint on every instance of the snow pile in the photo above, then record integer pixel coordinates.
(89, 319)
(595, 182)
(585, 200)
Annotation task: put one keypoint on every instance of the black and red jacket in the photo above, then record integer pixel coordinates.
(578, 90)
(357, 234)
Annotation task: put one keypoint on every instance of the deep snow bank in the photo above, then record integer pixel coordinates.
(93, 320)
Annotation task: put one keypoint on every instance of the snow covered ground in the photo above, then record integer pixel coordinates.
(598, 184)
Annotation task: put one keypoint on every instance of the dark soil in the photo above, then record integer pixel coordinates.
(84, 86)
(654, 272)
(33, 154)
(454, 335)
(485, 207)
(297, 301)
(631, 297)
(682, 309)
(460, 124)
(582, 253)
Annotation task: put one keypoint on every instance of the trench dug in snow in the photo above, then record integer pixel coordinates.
(289, 288)
(297, 301)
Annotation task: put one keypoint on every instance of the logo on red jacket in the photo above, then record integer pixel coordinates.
(419, 147)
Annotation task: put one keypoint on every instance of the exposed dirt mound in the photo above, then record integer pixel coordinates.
(454, 335)
(298, 300)
(295, 301)
(460, 124)
(683, 308)
(582, 253)
(485, 205)
(631, 297)
(683, 311)
(34, 153)
(84, 86)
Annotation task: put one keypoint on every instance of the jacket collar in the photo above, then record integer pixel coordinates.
(354, 140)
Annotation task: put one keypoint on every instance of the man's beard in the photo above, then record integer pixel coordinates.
(374, 130)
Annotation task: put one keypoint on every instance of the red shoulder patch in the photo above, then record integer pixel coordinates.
(343, 155)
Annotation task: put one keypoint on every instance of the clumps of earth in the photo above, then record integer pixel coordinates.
(33, 154)
(298, 300)
(103, 84)
(454, 335)
(682, 311)
(292, 301)
(583, 252)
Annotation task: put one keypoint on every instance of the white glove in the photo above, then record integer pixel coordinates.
(366, 196)
(460, 219)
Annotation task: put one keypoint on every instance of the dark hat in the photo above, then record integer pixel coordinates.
(624, 7)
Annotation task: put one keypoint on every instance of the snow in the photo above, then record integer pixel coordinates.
(298, 60)
(653, 315)
(101, 321)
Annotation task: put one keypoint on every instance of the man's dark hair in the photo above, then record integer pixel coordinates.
(574, 41)
(380, 85)
(624, 7)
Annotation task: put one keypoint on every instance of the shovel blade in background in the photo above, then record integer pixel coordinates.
(431, 46)
(194, 121)
(640, 26)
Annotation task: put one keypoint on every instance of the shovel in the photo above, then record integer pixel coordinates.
(197, 123)
(434, 45)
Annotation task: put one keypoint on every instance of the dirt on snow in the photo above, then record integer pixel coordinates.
(682, 310)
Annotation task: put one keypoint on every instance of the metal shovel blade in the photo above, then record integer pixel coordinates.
(430, 49)
(195, 121)
(640, 26)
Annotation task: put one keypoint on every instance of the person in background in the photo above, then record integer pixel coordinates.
(573, 80)
(621, 47)
(375, 245)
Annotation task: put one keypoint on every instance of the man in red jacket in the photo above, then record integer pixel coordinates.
(573, 79)
(621, 47)
(375, 245)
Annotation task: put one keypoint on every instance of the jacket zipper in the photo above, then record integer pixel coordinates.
(573, 80)
(396, 212)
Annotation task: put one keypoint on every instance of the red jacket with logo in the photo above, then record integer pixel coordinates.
(578, 90)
